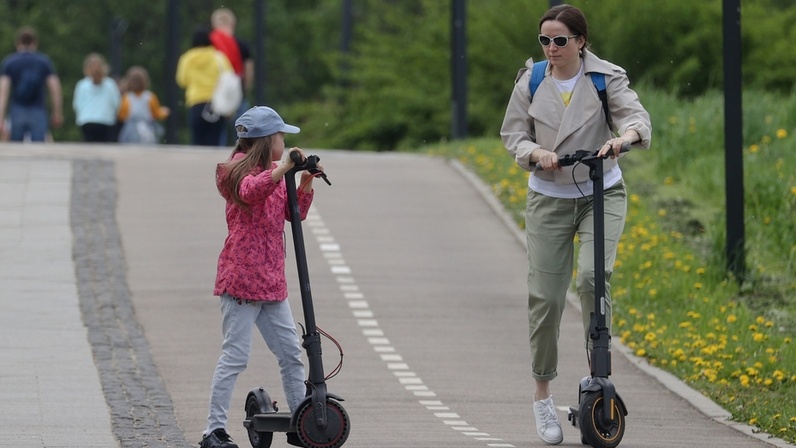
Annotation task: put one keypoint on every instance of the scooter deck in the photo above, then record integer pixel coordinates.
(273, 422)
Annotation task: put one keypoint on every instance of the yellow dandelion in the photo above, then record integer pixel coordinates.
(634, 198)
(662, 212)
(641, 352)
(698, 285)
(731, 318)
(754, 148)
(766, 139)
(752, 421)
(669, 180)
(793, 190)
(782, 133)
(700, 271)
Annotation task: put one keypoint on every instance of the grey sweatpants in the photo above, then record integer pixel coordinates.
(551, 225)
(275, 322)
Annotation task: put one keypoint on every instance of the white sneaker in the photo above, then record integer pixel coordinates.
(547, 424)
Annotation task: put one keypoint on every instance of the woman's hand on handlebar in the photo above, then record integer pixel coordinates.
(548, 160)
(613, 147)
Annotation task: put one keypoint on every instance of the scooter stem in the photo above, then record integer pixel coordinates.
(312, 339)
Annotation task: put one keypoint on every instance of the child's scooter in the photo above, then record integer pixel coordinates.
(600, 413)
(320, 420)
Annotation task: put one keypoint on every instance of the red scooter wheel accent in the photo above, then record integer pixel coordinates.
(332, 436)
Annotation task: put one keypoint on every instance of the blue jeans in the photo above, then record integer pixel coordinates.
(275, 322)
(30, 120)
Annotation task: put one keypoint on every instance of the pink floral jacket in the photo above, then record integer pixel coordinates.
(251, 265)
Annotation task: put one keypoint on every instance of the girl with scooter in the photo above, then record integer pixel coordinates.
(566, 112)
(251, 267)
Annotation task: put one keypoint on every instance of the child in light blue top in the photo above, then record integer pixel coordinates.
(96, 101)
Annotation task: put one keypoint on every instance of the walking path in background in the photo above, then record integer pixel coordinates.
(109, 333)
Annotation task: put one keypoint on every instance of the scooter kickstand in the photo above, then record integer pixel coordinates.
(572, 415)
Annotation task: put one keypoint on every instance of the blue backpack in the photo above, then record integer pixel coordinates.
(598, 79)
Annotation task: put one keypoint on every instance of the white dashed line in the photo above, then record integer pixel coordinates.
(380, 343)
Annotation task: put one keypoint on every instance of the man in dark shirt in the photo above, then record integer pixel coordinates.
(23, 78)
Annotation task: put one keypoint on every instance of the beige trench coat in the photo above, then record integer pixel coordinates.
(547, 123)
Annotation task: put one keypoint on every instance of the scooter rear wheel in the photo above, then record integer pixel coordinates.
(596, 429)
(333, 435)
(257, 439)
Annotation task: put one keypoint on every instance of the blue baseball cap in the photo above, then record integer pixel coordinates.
(262, 121)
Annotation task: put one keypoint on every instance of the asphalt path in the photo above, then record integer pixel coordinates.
(416, 277)
(413, 271)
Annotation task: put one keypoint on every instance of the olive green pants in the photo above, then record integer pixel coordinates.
(551, 225)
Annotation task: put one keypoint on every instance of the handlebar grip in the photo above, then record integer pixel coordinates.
(295, 156)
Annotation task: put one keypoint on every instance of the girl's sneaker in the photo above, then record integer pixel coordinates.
(217, 439)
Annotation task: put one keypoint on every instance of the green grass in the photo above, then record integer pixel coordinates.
(674, 302)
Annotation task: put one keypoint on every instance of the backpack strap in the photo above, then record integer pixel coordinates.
(537, 75)
(598, 79)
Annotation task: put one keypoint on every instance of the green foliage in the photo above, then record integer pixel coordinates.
(393, 89)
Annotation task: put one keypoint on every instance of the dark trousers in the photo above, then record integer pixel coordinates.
(204, 132)
(95, 132)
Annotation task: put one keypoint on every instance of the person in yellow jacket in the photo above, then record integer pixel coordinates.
(198, 70)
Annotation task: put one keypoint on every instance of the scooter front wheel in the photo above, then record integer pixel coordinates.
(597, 429)
(333, 435)
(257, 439)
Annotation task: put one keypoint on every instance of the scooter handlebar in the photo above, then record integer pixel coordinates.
(310, 163)
(571, 159)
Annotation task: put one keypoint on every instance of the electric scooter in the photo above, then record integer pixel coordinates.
(600, 413)
(320, 421)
